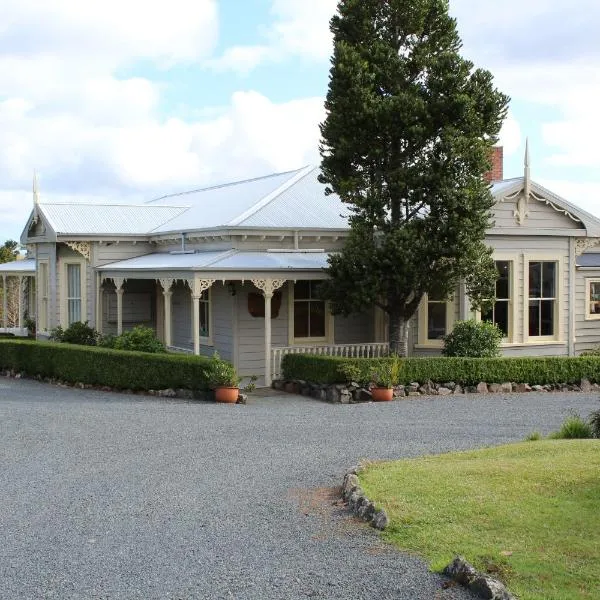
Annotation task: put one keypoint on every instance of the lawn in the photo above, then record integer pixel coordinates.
(529, 513)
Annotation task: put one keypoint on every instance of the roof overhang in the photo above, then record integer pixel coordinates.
(16, 268)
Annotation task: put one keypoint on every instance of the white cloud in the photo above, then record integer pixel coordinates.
(510, 135)
(110, 32)
(299, 28)
(584, 194)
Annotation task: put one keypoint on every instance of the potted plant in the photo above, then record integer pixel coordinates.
(385, 376)
(222, 377)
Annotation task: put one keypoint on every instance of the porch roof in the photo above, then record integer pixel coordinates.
(18, 267)
(230, 260)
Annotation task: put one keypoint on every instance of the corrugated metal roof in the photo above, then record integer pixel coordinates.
(98, 219)
(221, 205)
(589, 260)
(26, 265)
(302, 205)
(231, 260)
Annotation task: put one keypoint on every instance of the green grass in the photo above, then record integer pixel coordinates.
(528, 513)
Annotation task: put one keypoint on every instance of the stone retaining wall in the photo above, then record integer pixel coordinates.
(354, 393)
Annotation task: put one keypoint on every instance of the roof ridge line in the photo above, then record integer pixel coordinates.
(219, 186)
(300, 174)
(143, 205)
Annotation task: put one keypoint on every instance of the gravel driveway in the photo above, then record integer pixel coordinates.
(113, 496)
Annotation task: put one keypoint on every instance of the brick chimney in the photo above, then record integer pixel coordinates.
(496, 173)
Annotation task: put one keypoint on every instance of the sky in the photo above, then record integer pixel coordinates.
(126, 100)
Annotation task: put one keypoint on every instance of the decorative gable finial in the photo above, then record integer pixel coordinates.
(36, 198)
(522, 210)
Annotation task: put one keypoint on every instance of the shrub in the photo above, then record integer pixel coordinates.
(77, 333)
(465, 371)
(140, 339)
(595, 423)
(573, 428)
(222, 373)
(386, 374)
(473, 339)
(534, 436)
(103, 366)
(106, 341)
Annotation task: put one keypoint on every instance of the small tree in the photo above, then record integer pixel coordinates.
(407, 139)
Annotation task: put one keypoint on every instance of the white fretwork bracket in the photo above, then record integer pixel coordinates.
(166, 284)
(584, 244)
(84, 248)
(268, 286)
(199, 286)
(119, 281)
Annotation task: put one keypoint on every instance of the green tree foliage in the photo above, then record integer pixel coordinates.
(408, 136)
(9, 251)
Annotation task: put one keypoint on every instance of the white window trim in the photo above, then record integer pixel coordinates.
(424, 341)
(43, 294)
(313, 341)
(513, 304)
(559, 317)
(64, 305)
(208, 341)
(588, 288)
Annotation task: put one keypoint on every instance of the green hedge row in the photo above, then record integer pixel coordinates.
(465, 371)
(105, 367)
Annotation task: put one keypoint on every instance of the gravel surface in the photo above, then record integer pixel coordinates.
(114, 496)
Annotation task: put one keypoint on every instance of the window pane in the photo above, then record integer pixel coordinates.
(548, 280)
(302, 290)
(535, 279)
(204, 319)
(534, 318)
(547, 317)
(503, 282)
(436, 320)
(501, 316)
(595, 297)
(74, 281)
(74, 308)
(315, 289)
(488, 315)
(317, 319)
(301, 320)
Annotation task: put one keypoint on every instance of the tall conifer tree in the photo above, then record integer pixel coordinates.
(407, 139)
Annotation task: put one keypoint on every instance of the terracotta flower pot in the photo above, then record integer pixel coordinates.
(380, 394)
(227, 395)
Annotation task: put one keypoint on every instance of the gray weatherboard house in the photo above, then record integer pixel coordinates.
(204, 267)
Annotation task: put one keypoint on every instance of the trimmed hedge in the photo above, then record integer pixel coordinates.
(105, 367)
(464, 371)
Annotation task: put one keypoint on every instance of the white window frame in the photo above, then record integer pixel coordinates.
(43, 293)
(558, 303)
(513, 313)
(312, 341)
(207, 340)
(64, 305)
(424, 341)
(589, 316)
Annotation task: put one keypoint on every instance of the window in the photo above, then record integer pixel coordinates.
(499, 314)
(73, 293)
(593, 299)
(43, 295)
(437, 321)
(436, 318)
(542, 298)
(72, 300)
(310, 313)
(205, 314)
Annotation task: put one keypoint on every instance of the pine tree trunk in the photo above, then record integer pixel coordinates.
(398, 330)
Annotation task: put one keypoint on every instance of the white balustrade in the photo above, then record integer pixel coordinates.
(373, 350)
